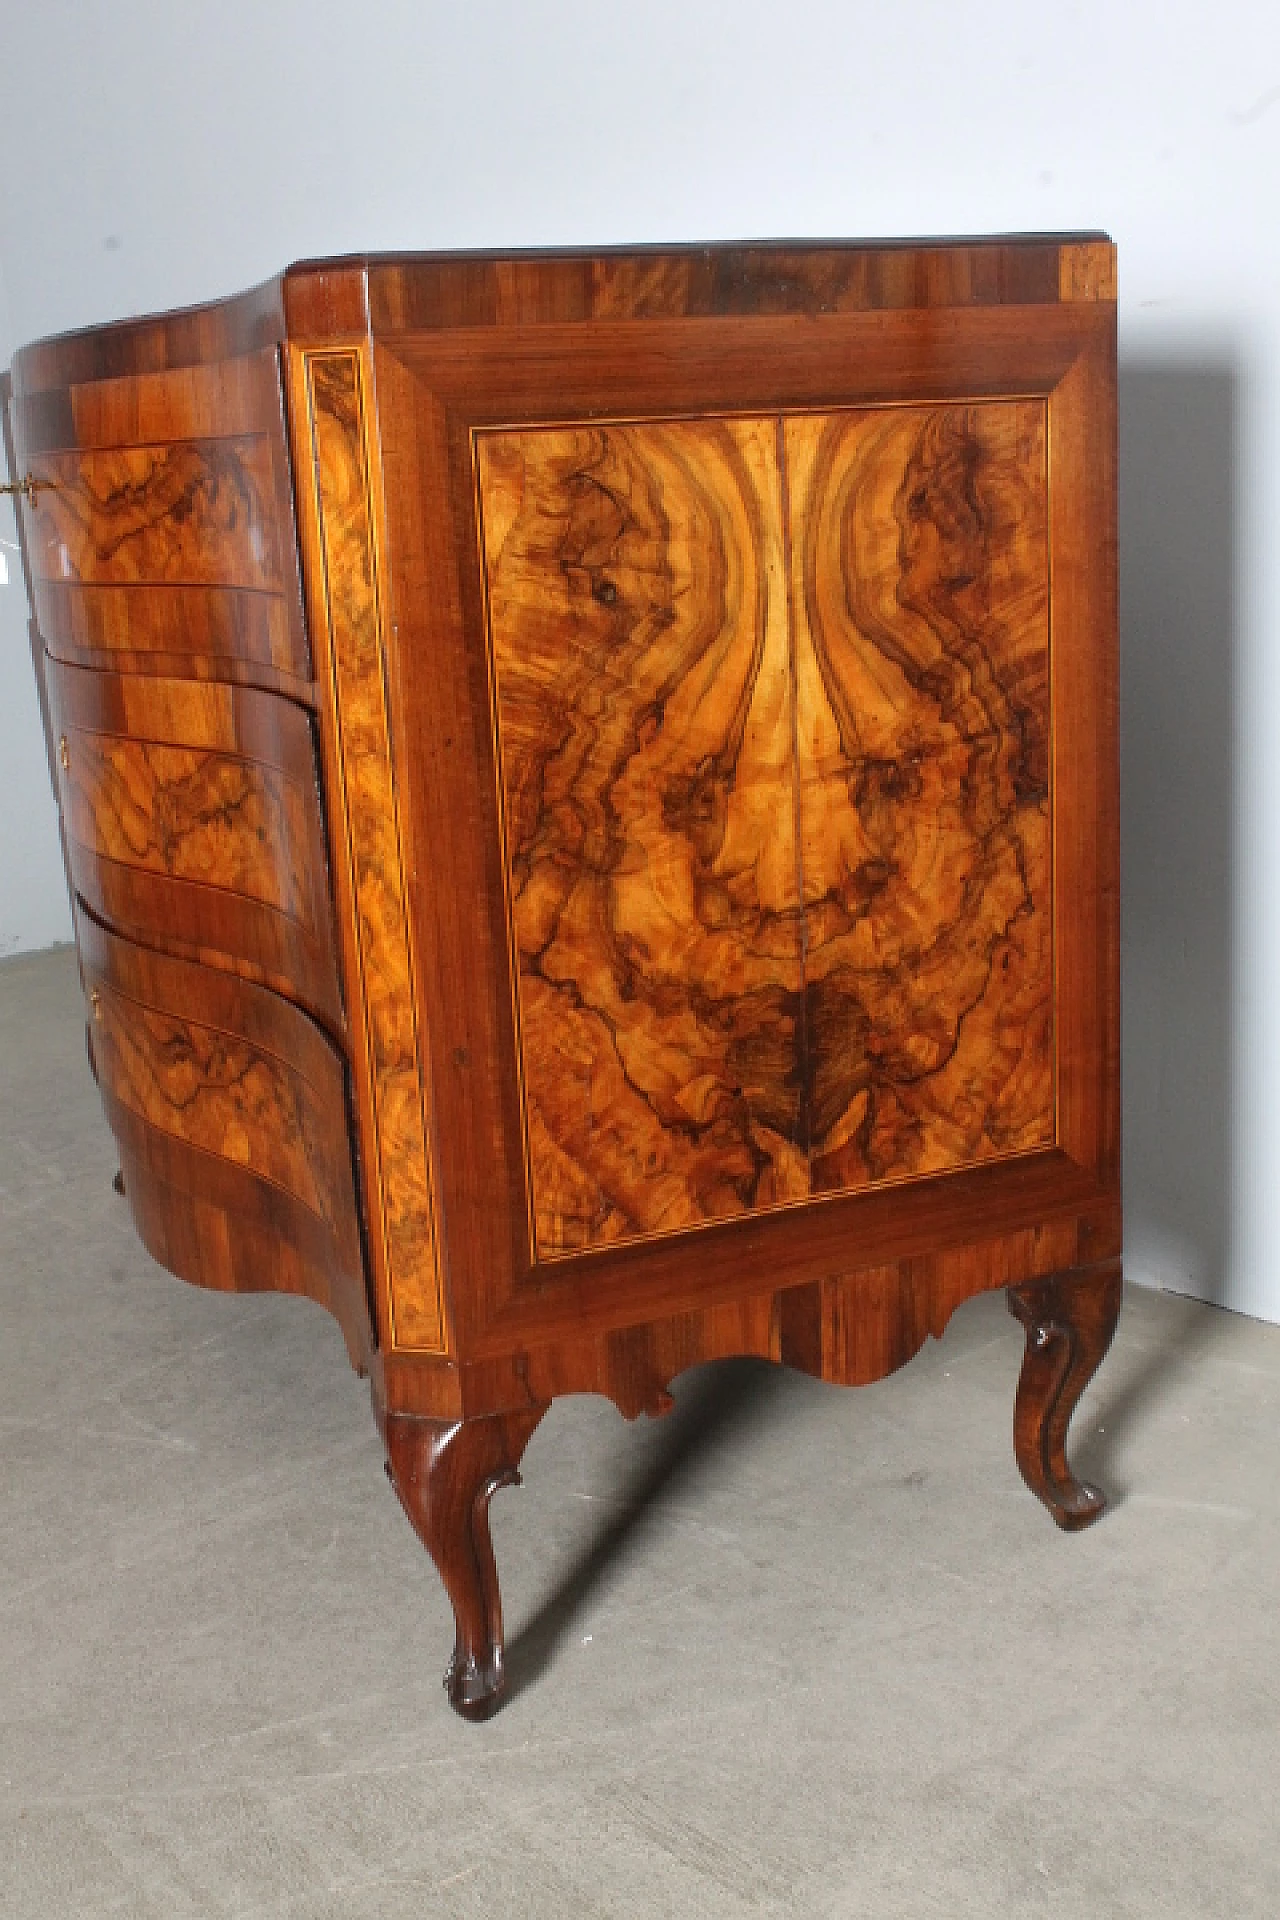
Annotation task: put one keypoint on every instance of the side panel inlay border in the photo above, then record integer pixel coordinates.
(387, 1052)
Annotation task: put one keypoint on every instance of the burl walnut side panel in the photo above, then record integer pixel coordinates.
(773, 709)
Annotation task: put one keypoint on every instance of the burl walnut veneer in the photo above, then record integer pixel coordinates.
(589, 791)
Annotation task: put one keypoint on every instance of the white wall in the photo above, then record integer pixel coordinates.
(33, 899)
(177, 152)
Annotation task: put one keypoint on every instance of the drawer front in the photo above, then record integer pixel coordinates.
(221, 1091)
(161, 535)
(192, 817)
(227, 1072)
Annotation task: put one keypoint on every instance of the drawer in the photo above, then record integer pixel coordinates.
(192, 819)
(162, 537)
(229, 1106)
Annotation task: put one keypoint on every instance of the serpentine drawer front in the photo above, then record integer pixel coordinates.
(192, 819)
(589, 784)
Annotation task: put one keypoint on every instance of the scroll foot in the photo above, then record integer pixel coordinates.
(1070, 1319)
(445, 1474)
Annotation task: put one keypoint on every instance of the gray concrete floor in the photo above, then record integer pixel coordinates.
(791, 1651)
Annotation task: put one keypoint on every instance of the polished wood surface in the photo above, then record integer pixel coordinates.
(192, 821)
(196, 810)
(185, 511)
(162, 539)
(1070, 1320)
(161, 561)
(590, 783)
(773, 708)
(441, 393)
(224, 1092)
(919, 569)
(445, 1475)
(637, 600)
(408, 294)
(259, 1093)
(389, 1060)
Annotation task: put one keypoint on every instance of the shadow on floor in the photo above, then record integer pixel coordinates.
(1179, 435)
(723, 1404)
(1122, 1408)
(1180, 725)
(718, 1406)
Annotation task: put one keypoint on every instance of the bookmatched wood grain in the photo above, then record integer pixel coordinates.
(757, 328)
(773, 712)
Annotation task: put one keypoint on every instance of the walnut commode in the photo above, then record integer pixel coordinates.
(589, 790)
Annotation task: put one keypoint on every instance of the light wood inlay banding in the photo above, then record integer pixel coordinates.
(390, 1061)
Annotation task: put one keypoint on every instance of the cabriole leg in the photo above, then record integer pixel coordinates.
(445, 1474)
(1070, 1319)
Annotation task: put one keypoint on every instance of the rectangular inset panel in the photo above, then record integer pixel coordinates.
(637, 607)
(919, 565)
(773, 722)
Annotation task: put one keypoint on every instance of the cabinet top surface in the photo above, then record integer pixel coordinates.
(390, 293)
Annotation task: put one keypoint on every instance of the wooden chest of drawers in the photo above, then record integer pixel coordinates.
(589, 789)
